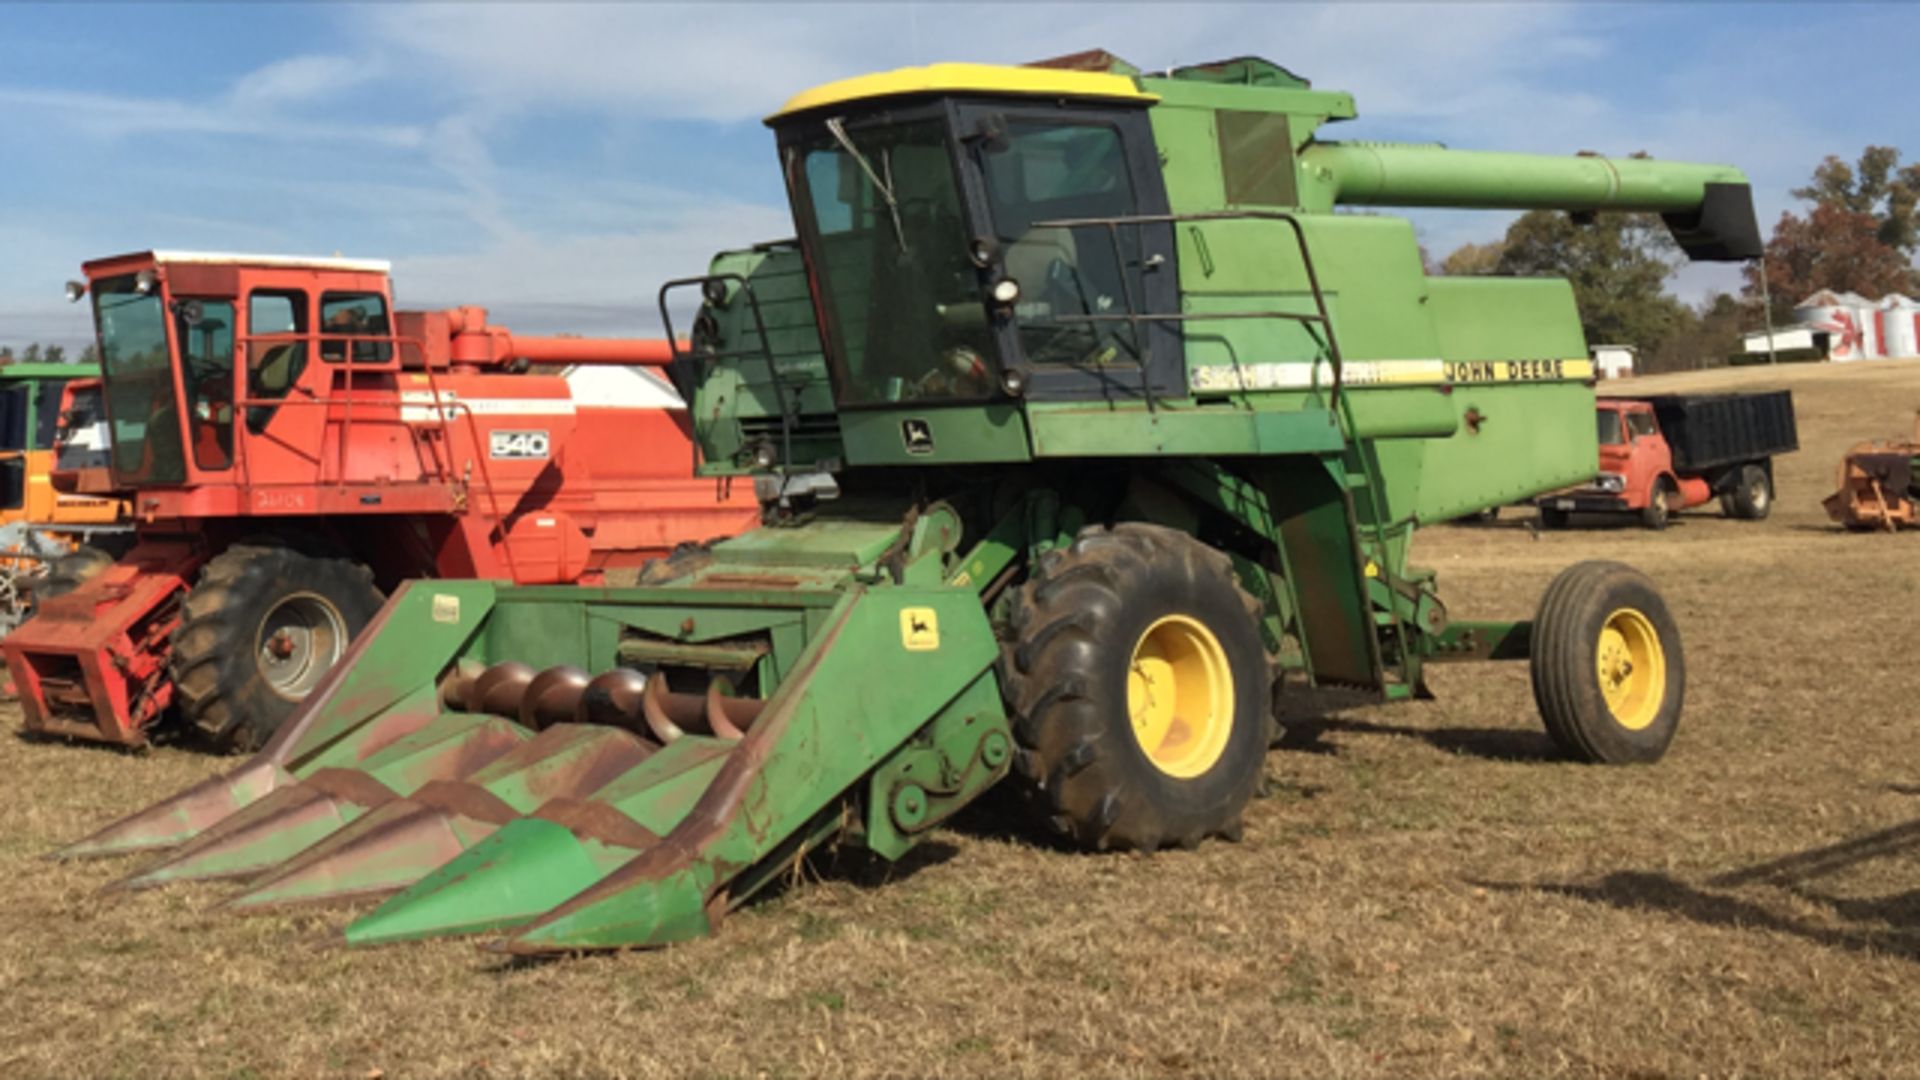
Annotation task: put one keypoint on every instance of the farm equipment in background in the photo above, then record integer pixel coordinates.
(41, 522)
(1132, 430)
(1660, 455)
(293, 448)
(1879, 485)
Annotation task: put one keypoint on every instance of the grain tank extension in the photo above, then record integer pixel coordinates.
(1128, 431)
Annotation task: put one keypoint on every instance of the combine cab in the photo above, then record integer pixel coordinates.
(44, 433)
(1128, 431)
(294, 448)
(1879, 486)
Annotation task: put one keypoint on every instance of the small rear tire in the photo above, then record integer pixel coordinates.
(1140, 689)
(260, 628)
(1751, 497)
(1608, 672)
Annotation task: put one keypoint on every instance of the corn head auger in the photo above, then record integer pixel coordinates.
(1107, 429)
(1879, 485)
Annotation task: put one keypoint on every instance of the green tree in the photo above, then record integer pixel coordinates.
(90, 355)
(1618, 265)
(31, 354)
(1469, 260)
(1876, 186)
(1830, 248)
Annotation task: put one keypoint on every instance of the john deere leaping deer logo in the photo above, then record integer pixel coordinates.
(918, 435)
(919, 629)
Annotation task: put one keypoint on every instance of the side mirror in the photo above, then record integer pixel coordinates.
(990, 133)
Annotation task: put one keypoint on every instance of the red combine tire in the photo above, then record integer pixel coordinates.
(260, 628)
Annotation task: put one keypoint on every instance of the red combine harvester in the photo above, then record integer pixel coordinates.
(293, 447)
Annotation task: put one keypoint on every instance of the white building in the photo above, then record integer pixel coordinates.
(1613, 361)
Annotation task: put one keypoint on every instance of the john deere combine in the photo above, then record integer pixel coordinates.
(1122, 428)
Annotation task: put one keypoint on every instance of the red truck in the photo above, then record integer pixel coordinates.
(1671, 452)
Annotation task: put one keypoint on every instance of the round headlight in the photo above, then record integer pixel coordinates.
(76, 290)
(1005, 291)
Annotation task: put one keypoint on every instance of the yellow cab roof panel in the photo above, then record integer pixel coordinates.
(989, 79)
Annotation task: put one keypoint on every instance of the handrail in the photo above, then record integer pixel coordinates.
(1337, 402)
(789, 411)
(1132, 318)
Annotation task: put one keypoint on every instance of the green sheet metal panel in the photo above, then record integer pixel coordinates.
(986, 434)
(1179, 429)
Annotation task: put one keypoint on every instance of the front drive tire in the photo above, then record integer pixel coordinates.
(1140, 690)
(1659, 509)
(1608, 672)
(261, 626)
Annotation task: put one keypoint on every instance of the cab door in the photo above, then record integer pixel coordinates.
(282, 419)
(205, 327)
(1080, 326)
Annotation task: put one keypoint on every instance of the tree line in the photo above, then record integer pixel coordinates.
(1859, 234)
(36, 353)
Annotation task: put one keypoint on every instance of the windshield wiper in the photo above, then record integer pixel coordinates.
(839, 132)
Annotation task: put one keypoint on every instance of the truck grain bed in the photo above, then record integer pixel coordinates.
(1708, 431)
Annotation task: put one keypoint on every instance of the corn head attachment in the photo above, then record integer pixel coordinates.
(1879, 485)
(607, 768)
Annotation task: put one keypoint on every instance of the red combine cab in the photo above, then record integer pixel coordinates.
(293, 447)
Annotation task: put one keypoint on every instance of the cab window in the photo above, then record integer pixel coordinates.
(351, 315)
(1048, 171)
(1639, 423)
(204, 329)
(276, 350)
(1609, 427)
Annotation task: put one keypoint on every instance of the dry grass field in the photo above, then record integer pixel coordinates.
(1427, 891)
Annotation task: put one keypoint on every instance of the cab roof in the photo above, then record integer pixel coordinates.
(988, 79)
(227, 258)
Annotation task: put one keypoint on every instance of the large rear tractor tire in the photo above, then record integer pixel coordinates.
(1751, 497)
(1608, 672)
(1140, 690)
(261, 626)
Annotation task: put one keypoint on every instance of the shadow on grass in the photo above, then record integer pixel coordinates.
(1493, 744)
(170, 731)
(1882, 924)
(1645, 891)
(1307, 717)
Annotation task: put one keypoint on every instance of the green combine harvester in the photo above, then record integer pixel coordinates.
(1085, 423)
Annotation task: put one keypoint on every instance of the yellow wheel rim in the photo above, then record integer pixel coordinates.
(1632, 667)
(1180, 696)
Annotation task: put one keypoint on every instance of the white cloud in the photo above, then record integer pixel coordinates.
(111, 116)
(299, 79)
(601, 283)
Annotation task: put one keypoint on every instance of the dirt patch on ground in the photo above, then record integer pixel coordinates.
(1427, 890)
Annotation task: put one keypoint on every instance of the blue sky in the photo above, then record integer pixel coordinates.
(556, 162)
